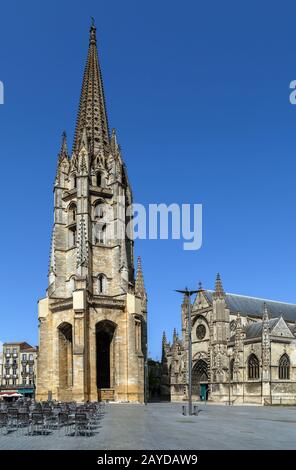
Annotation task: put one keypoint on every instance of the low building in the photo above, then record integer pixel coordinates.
(1, 361)
(243, 350)
(18, 369)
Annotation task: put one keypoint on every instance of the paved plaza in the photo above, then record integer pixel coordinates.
(162, 426)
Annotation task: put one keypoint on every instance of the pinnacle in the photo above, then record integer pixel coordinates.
(218, 286)
(64, 147)
(139, 284)
(265, 315)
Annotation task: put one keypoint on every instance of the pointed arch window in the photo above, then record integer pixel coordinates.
(284, 367)
(102, 284)
(253, 367)
(72, 213)
(73, 181)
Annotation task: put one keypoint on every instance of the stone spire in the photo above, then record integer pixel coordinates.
(139, 284)
(164, 339)
(219, 291)
(92, 114)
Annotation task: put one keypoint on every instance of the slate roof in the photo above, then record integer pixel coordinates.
(255, 329)
(253, 306)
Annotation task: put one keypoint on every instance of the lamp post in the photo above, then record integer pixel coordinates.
(188, 294)
(229, 376)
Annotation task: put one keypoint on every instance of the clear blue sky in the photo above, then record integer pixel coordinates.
(199, 94)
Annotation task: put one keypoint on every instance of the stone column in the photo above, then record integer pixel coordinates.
(79, 346)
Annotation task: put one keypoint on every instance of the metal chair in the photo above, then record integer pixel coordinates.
(37, 423)
(24, 423)
(12, 423)
(3, 422)
(82, 424)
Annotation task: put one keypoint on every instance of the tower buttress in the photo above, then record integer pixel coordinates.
(220, 334)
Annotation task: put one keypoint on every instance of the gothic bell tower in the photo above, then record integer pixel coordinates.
(92, 323)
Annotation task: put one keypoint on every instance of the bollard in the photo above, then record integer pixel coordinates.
(184, 410)
(195, 410)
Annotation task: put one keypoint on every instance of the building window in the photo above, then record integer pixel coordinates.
(73, 181)
(7, 351)
(72, 212)
(24, 357)
(72, 237)
(231, 366)
(99, 179)
(30, 357)
(14, 351)
(102, 284)
(253, 367)
(284, 367)
(13, 381)
(200, 331)
(24, 381)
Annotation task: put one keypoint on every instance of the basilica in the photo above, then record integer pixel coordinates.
(92, 321)
(243, 350)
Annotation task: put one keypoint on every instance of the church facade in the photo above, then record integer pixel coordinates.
(92, 322)
(243, 350)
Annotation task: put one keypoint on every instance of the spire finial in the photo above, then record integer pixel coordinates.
(93, 30)
(200, 286)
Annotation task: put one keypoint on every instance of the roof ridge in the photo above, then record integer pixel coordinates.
(255, 298)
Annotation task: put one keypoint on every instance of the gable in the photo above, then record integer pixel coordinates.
(281, 329)
(201, 301)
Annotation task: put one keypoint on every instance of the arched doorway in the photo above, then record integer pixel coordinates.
(65, 339)
(105, 333)
(200, 380)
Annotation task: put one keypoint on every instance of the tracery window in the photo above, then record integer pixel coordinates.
(72, 213)
(284, 367)
(253, 367)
